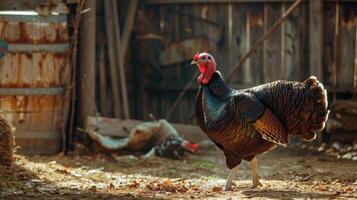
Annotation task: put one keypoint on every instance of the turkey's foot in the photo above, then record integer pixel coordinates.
(255, 176)
(231, 176)
(256, 183)
(228, 185)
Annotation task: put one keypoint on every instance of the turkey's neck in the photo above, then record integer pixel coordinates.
(217, 86)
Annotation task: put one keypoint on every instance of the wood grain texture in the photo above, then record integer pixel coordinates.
(87, 62)
(316, 37)
(36, 117)
(346, 48)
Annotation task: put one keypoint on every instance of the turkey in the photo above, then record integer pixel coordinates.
(247, 122)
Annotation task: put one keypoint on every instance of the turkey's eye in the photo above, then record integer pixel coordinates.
(204, 57)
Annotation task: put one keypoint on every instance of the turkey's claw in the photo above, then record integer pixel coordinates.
(231, 177)
(256, 184)
(228, 186)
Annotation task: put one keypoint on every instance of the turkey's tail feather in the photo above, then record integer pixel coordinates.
(301, 106)
(316, 119)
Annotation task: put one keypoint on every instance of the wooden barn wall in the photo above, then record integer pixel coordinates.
(231, 29)
(340, 44)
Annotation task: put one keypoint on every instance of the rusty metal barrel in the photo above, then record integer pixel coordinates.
(33, 78)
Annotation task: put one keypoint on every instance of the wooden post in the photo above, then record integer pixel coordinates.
(112, 61)
(103, 99)
(230, 33)
(265, 28)
(87, 63)
(124, 42)
(335, 52)
(247, 71)
(316, 38)
(282, 45)
(355, 69)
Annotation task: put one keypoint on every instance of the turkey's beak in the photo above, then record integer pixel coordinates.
(194, 62)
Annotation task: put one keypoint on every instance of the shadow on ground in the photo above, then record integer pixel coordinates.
(285, 194)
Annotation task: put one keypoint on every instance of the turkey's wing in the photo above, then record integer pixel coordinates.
(262, 118)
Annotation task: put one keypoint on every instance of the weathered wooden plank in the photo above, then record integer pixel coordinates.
(218, 13)
(148, 23)
(112, 61)
(239, 46)
(38, 103)
(122, 45)
(256, 23)
(329, 30)
(32, 91)
(183, 51)
(37, 69)
(215, 34)
(346, 52)
(264, 46)
(303, 32)
(355, 65)
(87, 63)
(34, 33)
(282, 45)
(38, 5)
(103, 90)
(16, 32)
(293, 44)
(28, 123)
(273, 43)
(169, 31)
(230, 34)
(187, 26)
(316, 37)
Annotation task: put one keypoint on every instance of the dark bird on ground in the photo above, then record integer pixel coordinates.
(247, 122)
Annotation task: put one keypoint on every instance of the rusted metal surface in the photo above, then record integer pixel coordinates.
(39, 103)
(36, 69)
(31, 91)
(33, 18)
(183, 51)
(42, 32)
(39, 47)
(33, 76)
(38, 5)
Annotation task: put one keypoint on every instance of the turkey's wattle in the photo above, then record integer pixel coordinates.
(244, 123)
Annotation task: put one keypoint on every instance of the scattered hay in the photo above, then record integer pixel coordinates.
(6, 142)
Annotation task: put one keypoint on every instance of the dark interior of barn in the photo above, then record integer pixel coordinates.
(178, 99)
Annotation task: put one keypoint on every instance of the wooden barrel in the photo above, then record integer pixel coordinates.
(33, 78)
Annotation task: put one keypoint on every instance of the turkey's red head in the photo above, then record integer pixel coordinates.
(206, 64)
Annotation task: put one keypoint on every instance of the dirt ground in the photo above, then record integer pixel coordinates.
(285, 174)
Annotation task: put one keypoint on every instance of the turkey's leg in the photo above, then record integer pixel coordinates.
(256, 181)
(231, 176)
